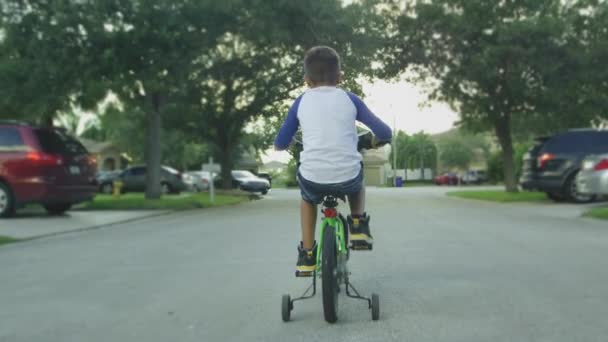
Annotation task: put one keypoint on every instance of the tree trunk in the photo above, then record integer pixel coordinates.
(153, 148)
(47, 119)
(503, 132)
(227, 163)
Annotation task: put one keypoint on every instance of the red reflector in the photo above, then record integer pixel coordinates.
(602, 165)
(544, 159)
(330, 212)
(44, 158)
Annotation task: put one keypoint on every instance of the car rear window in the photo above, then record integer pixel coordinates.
(600, 142)
(10, 140)
(572, 142)
(59, 143)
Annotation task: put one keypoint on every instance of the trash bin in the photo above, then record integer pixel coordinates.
(399, 182)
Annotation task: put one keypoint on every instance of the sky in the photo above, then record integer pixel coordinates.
(399, 104)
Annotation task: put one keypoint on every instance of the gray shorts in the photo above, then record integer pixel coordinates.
(314, 192)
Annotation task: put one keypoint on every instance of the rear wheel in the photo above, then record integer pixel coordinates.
(329, 275)
(57, 208)
(165, 188)
(375, 307)
(7, 201)
(286, 307)
(107, 188)
(556, 197)
(573, 194)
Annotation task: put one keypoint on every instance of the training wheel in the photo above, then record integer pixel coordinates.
(375, 307)
(286, 307)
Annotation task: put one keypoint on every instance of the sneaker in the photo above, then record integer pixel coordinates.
(307, 260)
(359, 229)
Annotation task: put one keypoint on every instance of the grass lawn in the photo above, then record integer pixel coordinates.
(598, 213)
(5, 239)
(167, 202)
(500, 196)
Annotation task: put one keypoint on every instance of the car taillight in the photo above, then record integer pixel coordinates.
(602, 165)
(92, 160)
(44, 158)
(204, 181)
(544, 159)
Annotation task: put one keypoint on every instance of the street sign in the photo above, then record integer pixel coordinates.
(212, 167)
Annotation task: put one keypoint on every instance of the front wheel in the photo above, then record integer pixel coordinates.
(329, 275)
(57, 208)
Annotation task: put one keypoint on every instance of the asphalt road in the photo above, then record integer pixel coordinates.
(446, 270)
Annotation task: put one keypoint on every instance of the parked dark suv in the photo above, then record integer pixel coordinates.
(551, 165)
(45, 166)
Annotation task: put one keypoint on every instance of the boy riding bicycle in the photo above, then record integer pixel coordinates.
(330, 162)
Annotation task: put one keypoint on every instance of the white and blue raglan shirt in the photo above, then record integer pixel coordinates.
(327, 117)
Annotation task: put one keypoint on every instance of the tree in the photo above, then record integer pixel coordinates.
(415, 151)
(147, 52)
(455, 153)
(43, 60)
(256, 67)
(498, 64)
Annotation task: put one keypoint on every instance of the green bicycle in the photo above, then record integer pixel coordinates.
(333, 253)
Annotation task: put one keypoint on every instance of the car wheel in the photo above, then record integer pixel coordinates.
(265, 192)
(165, 188)
(7, 201)
(57, 208)
(556, 197)
(573, 194)
(107, 188)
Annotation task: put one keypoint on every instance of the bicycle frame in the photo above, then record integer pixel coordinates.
(333, 221)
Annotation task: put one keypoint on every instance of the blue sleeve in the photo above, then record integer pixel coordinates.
(366, 117)
(289, 128)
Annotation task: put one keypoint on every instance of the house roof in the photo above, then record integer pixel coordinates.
(97, 146)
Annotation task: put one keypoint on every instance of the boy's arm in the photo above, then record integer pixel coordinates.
(381, 130)
(289, 127)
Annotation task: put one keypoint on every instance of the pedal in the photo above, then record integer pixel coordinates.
(361, 246)
(304, 274)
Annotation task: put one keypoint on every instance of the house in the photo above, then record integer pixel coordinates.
(109, 156)
(374, 167)
(248, 161)
(274, 166)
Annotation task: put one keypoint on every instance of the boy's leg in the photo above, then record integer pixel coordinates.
(356, 202)
(358, 221)
(308, 218)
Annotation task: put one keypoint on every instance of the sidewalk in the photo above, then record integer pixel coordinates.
(34, 225)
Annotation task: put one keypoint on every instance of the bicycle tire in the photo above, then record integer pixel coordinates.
(329, 275)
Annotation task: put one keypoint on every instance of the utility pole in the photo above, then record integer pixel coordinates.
(394, 147)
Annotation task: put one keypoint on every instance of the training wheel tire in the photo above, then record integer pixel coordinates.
(286, 307)
(375, 307)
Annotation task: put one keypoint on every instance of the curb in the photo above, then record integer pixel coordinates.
(84, 229)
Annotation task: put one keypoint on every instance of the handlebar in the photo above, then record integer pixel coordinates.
(366, 141)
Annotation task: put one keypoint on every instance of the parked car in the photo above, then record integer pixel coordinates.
(448, 178)
(552, 164)
(593, 177)
(474, 177)
(266, 176)
(105, 175)
(134, 180)
(44, 166)
(197, 180)
(247, 181)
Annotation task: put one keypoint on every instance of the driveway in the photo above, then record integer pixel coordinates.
(30, 224)
(446, 270)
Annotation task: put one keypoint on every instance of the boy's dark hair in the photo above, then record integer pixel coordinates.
(322, 65)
